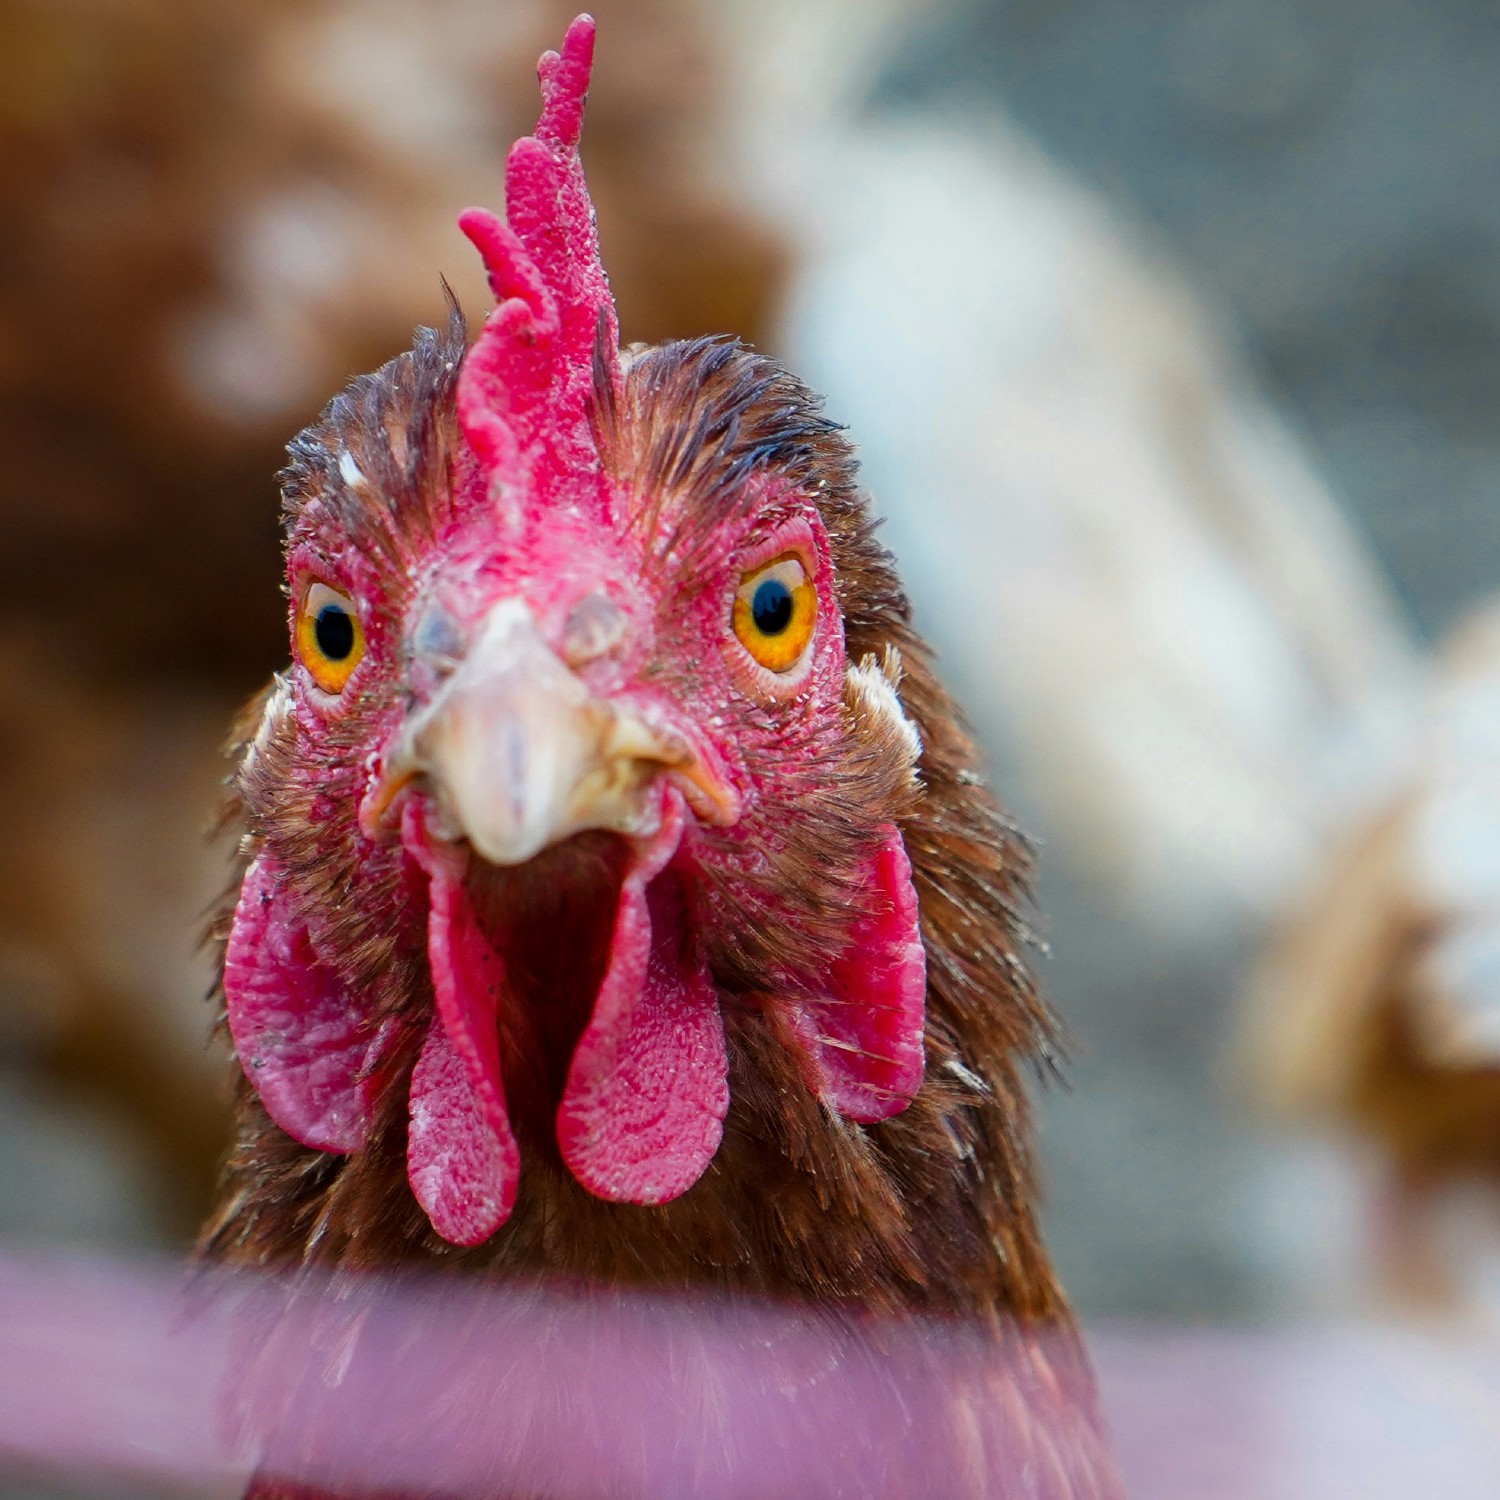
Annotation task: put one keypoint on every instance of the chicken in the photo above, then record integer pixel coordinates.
(621, 898)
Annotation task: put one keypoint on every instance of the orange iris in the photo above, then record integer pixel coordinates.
(776, 611)
(330, 639)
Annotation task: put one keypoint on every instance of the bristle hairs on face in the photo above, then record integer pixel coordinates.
(695, 427)
(394, 430)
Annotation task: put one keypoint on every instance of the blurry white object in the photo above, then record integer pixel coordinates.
(1156, 615)
(1377, 1010)
(1405, 914)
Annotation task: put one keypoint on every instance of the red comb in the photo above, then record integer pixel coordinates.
(527, 384)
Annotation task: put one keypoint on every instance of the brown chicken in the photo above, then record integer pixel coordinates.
(622, 900)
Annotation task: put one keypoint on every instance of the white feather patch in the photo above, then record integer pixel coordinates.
(870, 691)
(350, 472)
(278, 704)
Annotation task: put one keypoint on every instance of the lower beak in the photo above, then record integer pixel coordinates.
(518, 754)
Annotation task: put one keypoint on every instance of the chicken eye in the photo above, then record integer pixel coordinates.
(330, 640)
(775, 611)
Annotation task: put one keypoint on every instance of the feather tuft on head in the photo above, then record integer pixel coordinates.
(527, 387)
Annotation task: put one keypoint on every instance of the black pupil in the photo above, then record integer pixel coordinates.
(771, 608)
(335, 632)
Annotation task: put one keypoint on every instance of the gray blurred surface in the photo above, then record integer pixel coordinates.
(1164, 1195)
(69, 1176)
(1329, 175)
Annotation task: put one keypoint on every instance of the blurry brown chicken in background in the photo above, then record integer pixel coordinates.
(1377, 1011)
(213, 216)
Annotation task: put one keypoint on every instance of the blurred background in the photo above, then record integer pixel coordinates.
(1170, 333)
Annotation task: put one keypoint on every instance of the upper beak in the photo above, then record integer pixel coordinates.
(519, 754)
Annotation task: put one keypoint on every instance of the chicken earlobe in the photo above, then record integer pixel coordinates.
(643, 1110)
(302, 1040)
(864, 1034)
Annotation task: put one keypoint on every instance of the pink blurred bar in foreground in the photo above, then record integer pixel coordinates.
(114, 1375)
(1377, 1410)
(454, 1386)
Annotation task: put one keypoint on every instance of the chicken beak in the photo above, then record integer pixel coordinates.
(518, 754)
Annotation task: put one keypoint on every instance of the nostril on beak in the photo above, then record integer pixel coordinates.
(515, 764)
(515, 751)
(595, 626)
(438, 640)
